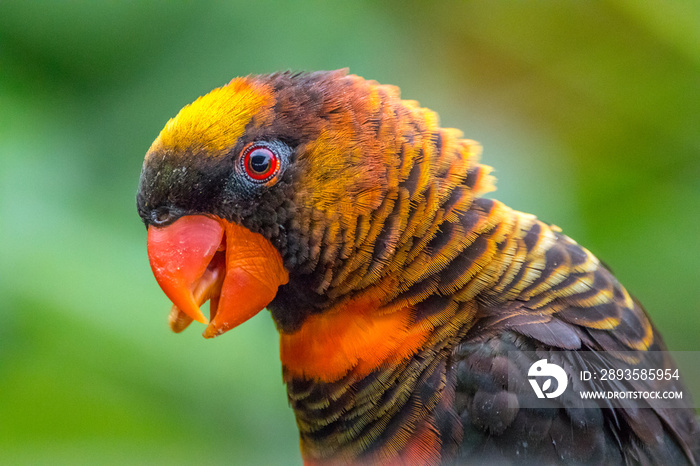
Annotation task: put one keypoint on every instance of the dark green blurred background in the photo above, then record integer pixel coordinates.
(588, 111)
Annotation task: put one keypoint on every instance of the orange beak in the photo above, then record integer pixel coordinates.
(199, 258)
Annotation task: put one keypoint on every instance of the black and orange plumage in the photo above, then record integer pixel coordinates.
(397, 289)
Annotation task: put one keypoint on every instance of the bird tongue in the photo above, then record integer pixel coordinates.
(199, 258)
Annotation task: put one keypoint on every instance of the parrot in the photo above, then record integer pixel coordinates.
(411, 309)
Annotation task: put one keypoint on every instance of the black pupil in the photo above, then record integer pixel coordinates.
(260, 161)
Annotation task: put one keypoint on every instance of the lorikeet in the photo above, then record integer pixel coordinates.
(399, 292)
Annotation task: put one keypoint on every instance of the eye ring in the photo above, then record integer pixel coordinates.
(260, 163)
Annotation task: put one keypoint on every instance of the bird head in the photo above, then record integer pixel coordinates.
(288, 191)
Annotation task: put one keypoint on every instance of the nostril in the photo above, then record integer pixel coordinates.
(161, 216)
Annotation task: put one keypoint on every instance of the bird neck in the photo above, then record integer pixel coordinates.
(384, 323)
(387, 349)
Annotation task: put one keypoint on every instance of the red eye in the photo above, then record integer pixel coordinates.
(260, 163)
